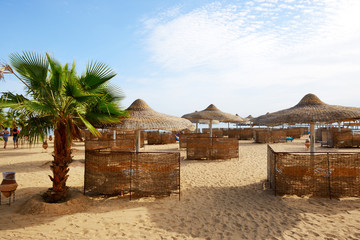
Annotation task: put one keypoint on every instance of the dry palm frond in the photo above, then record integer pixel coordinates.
(309, 110)
(213, 113)
(142, 117)
(5, 69)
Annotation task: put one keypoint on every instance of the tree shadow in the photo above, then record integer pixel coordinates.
(14, 153)
(27, 166)
(238, 212)
(245, 212)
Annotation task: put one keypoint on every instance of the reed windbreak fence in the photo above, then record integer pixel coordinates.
(327, 175)
(133, 174)
(113, 140)
(212, 148)
(156, 137)
(269, 135)
(183, 137)
(216, 132)
(241, 133)
(345, 138)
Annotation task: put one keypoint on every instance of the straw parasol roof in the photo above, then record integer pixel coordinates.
(309, 110)
(143, 117)
(249, 117)
(200, 121)
(213, 113)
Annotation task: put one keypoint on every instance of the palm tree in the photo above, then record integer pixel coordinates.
(60, 99)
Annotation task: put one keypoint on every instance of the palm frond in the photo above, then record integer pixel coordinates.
(89, 126)
(37, 128)
(36, 107)
(96, 75)
(11, 100)
(32, 67)
(56, 77)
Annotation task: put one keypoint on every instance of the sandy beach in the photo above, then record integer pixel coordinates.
(219, 200)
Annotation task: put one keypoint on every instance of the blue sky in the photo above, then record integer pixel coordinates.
(246, 57)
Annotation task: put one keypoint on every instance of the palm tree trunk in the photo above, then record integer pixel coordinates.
(60, 165)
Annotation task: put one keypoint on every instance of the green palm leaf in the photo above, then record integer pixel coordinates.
(32, 67)
(96, 75)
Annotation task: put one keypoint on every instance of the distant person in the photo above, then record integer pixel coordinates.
(15, 134)
(5, 134)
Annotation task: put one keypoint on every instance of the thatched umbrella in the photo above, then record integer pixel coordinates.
(142, 117)
(212, 113)
(248, 119)
(200, 121)
(309, 110)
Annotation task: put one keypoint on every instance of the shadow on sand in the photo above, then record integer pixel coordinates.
(204, 212)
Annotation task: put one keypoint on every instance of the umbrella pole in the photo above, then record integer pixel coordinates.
(210, 126)
(312, 137)
(196, 130)
(138, 140)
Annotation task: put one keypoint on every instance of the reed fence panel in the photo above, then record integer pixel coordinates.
(217, 132)
(241, 133)
(296, 132)
(126, 135)
(116, 140)
(133, 174)
(183, 137)
(269, 135)
(212, 148)
(157, 138)
(346, 139)
(326, 175)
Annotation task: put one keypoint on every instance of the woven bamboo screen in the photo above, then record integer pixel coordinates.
(346, 139)
(234, 133)
(247, 134)
(156, 174)
(333, 138)
(184, 136)
(130, 173)
(217, 132)
(212, 148)
(107, 172)
(121, 140)
(225, 131)
(269, 136)
(331, 175)
(241, 133)
(126, 135)
(156, 137)
(296, 132)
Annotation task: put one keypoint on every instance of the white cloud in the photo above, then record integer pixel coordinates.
(258, 44)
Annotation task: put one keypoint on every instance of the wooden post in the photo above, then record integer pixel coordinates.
(312, 137)
(138, 140)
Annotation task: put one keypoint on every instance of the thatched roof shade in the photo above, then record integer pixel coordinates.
(309, 110)
(142, 117)
(213, 113)
(249, 117)
(200, 121)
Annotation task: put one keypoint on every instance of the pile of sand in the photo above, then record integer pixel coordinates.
(77, 202)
